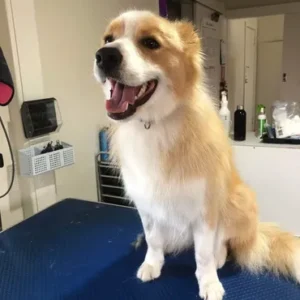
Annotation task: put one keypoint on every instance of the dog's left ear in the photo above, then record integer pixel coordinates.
(188, 33)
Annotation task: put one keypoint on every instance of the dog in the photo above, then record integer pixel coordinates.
(176, 160)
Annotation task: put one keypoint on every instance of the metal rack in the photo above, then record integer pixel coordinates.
(109, 183)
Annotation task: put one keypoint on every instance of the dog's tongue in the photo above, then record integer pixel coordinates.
(122, 95)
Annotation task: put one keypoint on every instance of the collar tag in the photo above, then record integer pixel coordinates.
(147, 125)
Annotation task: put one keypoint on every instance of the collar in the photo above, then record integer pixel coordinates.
(147, 124)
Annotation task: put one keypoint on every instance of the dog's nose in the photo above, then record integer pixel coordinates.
(109, 59)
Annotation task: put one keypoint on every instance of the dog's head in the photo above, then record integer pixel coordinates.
(148, 66)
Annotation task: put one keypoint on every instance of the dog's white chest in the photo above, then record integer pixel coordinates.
(176, 204)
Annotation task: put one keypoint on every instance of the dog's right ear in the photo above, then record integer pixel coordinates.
(188, 34)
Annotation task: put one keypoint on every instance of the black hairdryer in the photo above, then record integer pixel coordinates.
(6, 83)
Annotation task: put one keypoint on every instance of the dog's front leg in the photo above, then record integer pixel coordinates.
(206, 273)
(154, 260)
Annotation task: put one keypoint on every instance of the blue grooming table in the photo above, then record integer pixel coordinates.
(82, 250)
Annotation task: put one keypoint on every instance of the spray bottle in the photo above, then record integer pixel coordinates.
(261, 122)
(224, 112)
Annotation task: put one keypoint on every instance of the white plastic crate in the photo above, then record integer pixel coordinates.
(33, 163)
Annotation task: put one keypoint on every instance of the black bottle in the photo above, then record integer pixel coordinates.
(58, 146)
(240, 124)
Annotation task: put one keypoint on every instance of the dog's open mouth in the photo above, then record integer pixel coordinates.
(125, 99)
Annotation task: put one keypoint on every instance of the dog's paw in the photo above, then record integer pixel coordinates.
(148, 272)
(211, 290)
(221, 257)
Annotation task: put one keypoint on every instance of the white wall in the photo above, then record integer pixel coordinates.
(270, 28)
(69, 33)
(269, 60)
(25, 59)
(5, 45)
(10, 206)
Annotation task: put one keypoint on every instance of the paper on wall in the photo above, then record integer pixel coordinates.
(210, 32)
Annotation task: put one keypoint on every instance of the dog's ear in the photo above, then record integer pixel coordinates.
(191, 47)
(188, 33)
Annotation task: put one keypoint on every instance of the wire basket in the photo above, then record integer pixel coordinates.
(33, 163)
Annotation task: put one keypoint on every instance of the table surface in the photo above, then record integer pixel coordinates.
(253, 141)
(82, 250)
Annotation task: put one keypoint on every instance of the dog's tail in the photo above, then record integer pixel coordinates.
(271, 249)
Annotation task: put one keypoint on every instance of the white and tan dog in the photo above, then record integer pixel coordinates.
(175, 158)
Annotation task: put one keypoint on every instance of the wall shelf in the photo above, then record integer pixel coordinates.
(33, 163)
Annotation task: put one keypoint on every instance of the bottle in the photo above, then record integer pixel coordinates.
(259, 106)
(261, 123)
(49, 148)
(240, 124)
(58, 146)
(223, 88)
(104, 144)
(224, 113)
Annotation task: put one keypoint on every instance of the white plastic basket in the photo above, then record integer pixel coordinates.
(33, 163)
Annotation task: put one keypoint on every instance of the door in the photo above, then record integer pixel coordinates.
(269, 74)
(290, 88)
(250, 71)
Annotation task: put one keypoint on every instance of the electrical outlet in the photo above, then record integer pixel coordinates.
(1, 161)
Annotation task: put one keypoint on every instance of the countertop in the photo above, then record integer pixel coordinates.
(253, 141)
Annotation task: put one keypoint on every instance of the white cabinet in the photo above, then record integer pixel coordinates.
(274, 174)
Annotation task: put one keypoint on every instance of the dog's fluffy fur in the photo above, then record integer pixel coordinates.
(180, 173)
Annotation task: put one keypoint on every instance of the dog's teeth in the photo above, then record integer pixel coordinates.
(142, 90)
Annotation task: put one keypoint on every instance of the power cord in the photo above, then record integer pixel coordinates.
(12, 160)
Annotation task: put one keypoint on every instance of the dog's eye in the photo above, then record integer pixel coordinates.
(150, 43)
(108, 39)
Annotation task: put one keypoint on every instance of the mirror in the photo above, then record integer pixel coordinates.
(256, 58)
(259, 51)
